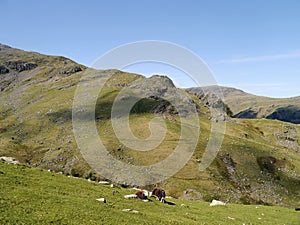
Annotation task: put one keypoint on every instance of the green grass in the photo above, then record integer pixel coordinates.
(36, 196)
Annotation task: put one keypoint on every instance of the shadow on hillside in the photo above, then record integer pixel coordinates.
(61, 116)
(247, 114)
(103, 110)
(287, 114)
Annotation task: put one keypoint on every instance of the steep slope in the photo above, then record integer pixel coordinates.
(40, 197)
(20, 68)
(245, 105)
(259, 161)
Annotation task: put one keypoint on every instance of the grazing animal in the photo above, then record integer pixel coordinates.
(142, 194)
(130, 196)
(160, 194)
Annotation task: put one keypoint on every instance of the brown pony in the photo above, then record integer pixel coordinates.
(142, 194)
(160, 194)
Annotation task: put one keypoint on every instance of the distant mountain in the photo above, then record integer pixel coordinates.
(258, 163)
(245, 105)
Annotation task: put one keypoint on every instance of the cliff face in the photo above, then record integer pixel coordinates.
(245, 105)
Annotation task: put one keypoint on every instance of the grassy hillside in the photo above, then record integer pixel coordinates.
(36, 196)
(245, 105)
(259, 162)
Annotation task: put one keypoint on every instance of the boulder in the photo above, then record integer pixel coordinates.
(191, 194)
(103, 182)
(9, 160)
(3, 70)
(103, 200)
(70, 70)
(130, 210)
(216, 202)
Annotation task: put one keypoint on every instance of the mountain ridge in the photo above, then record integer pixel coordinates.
(246, 105)
(4, 46)
(224, 88)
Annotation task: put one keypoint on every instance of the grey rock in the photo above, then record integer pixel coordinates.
(70, 70)
(130, 210)
(103, 200)
(10, 160)
(3, 70)
(20, 65)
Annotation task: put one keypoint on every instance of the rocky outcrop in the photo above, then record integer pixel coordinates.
(245, 105)
(213, 101)
(4, 47)
(154, 86)
(287, 114)
(3, 70)
(163, 96)
(230, 169)
(267, 163)
(70, 70)
(191, 194)
(288, 137)
(20, 65)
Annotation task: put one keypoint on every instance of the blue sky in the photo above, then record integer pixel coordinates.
(252, 45)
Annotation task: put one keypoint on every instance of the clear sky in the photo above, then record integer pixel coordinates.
(252, 45)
